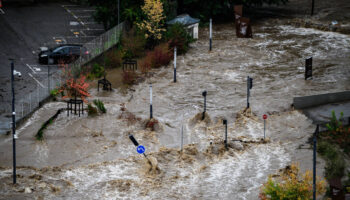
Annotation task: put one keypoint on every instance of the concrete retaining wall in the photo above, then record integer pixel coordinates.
(317, 100)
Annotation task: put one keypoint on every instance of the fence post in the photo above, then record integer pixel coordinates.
(48, 79)
(38, 94)
(30, 102)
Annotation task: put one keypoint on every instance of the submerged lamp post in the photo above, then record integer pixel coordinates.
(225, 123)
(210, 34)
(204, 94)
(150, 99)
(175, 52)
(249, 86)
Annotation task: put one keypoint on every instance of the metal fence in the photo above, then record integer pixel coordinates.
(99, 45)
(26, 104)
(44, 82)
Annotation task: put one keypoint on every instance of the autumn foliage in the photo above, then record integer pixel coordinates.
(75, 84)
(290, 185)
(153, 24)
(161, 55)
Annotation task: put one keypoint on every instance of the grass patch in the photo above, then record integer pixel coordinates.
(40, 134)
(99, 104)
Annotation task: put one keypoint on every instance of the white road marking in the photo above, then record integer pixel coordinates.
(36, 80)
(31, 68)
(82, 32)
(1, 11)
(84, 16)
(33, 52)
(89, 29)
(69, 5)
(90, 23)
(81, 36)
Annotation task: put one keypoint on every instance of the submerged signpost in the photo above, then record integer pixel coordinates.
(139, 148)
(264, 117)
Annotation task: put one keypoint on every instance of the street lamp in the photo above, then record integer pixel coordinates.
(14, 136)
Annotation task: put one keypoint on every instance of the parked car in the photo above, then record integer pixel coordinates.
(66, 53)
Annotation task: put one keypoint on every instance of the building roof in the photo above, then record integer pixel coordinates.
(184, 19)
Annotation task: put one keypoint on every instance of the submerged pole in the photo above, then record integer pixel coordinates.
(175, 54)
(150, 99)
(210, 34)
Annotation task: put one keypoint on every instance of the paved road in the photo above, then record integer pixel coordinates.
(25, 28)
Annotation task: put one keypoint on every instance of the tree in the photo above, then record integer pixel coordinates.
(107, 11)
(74, 83)
(153, 23)
(290, 185)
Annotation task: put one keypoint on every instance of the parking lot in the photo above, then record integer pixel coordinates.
(26, 27)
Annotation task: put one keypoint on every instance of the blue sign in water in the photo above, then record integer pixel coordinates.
(140, 149)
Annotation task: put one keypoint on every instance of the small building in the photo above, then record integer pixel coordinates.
(191, 24)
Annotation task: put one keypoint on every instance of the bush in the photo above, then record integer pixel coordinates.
(178, 36)
(97, 70)
(129, 77)
(113, 59)
(92, 110)
(133, 44)
(161, 55)
(291, 185)
(335, 163)
(146, 63)
(99, 104)
(54, 93)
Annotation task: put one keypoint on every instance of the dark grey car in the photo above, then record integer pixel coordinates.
(61, 54)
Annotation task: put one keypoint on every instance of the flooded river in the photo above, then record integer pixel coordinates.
(93, 158)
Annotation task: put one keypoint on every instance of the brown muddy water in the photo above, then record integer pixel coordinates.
(93, 158)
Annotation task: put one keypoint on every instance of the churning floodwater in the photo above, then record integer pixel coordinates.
(97, 160)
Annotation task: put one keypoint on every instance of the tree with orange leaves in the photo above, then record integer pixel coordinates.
(290, 185)
(74, 83)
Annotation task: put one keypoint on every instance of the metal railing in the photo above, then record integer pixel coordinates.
(48, 81)
(99, 45)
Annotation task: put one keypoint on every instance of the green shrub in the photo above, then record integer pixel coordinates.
(97, 70)
(54, 92)
(99, 104)
(335, 123)
(133, 44)
(91, 110)
(335, 163)
(179, 37)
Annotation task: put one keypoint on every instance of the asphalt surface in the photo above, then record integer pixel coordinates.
(27, 26)
(322, 114)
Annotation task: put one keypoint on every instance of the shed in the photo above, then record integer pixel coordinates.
(190, 23)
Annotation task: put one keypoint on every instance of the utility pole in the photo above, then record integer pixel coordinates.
(14, 136)
(312, 7)
(314, 163)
